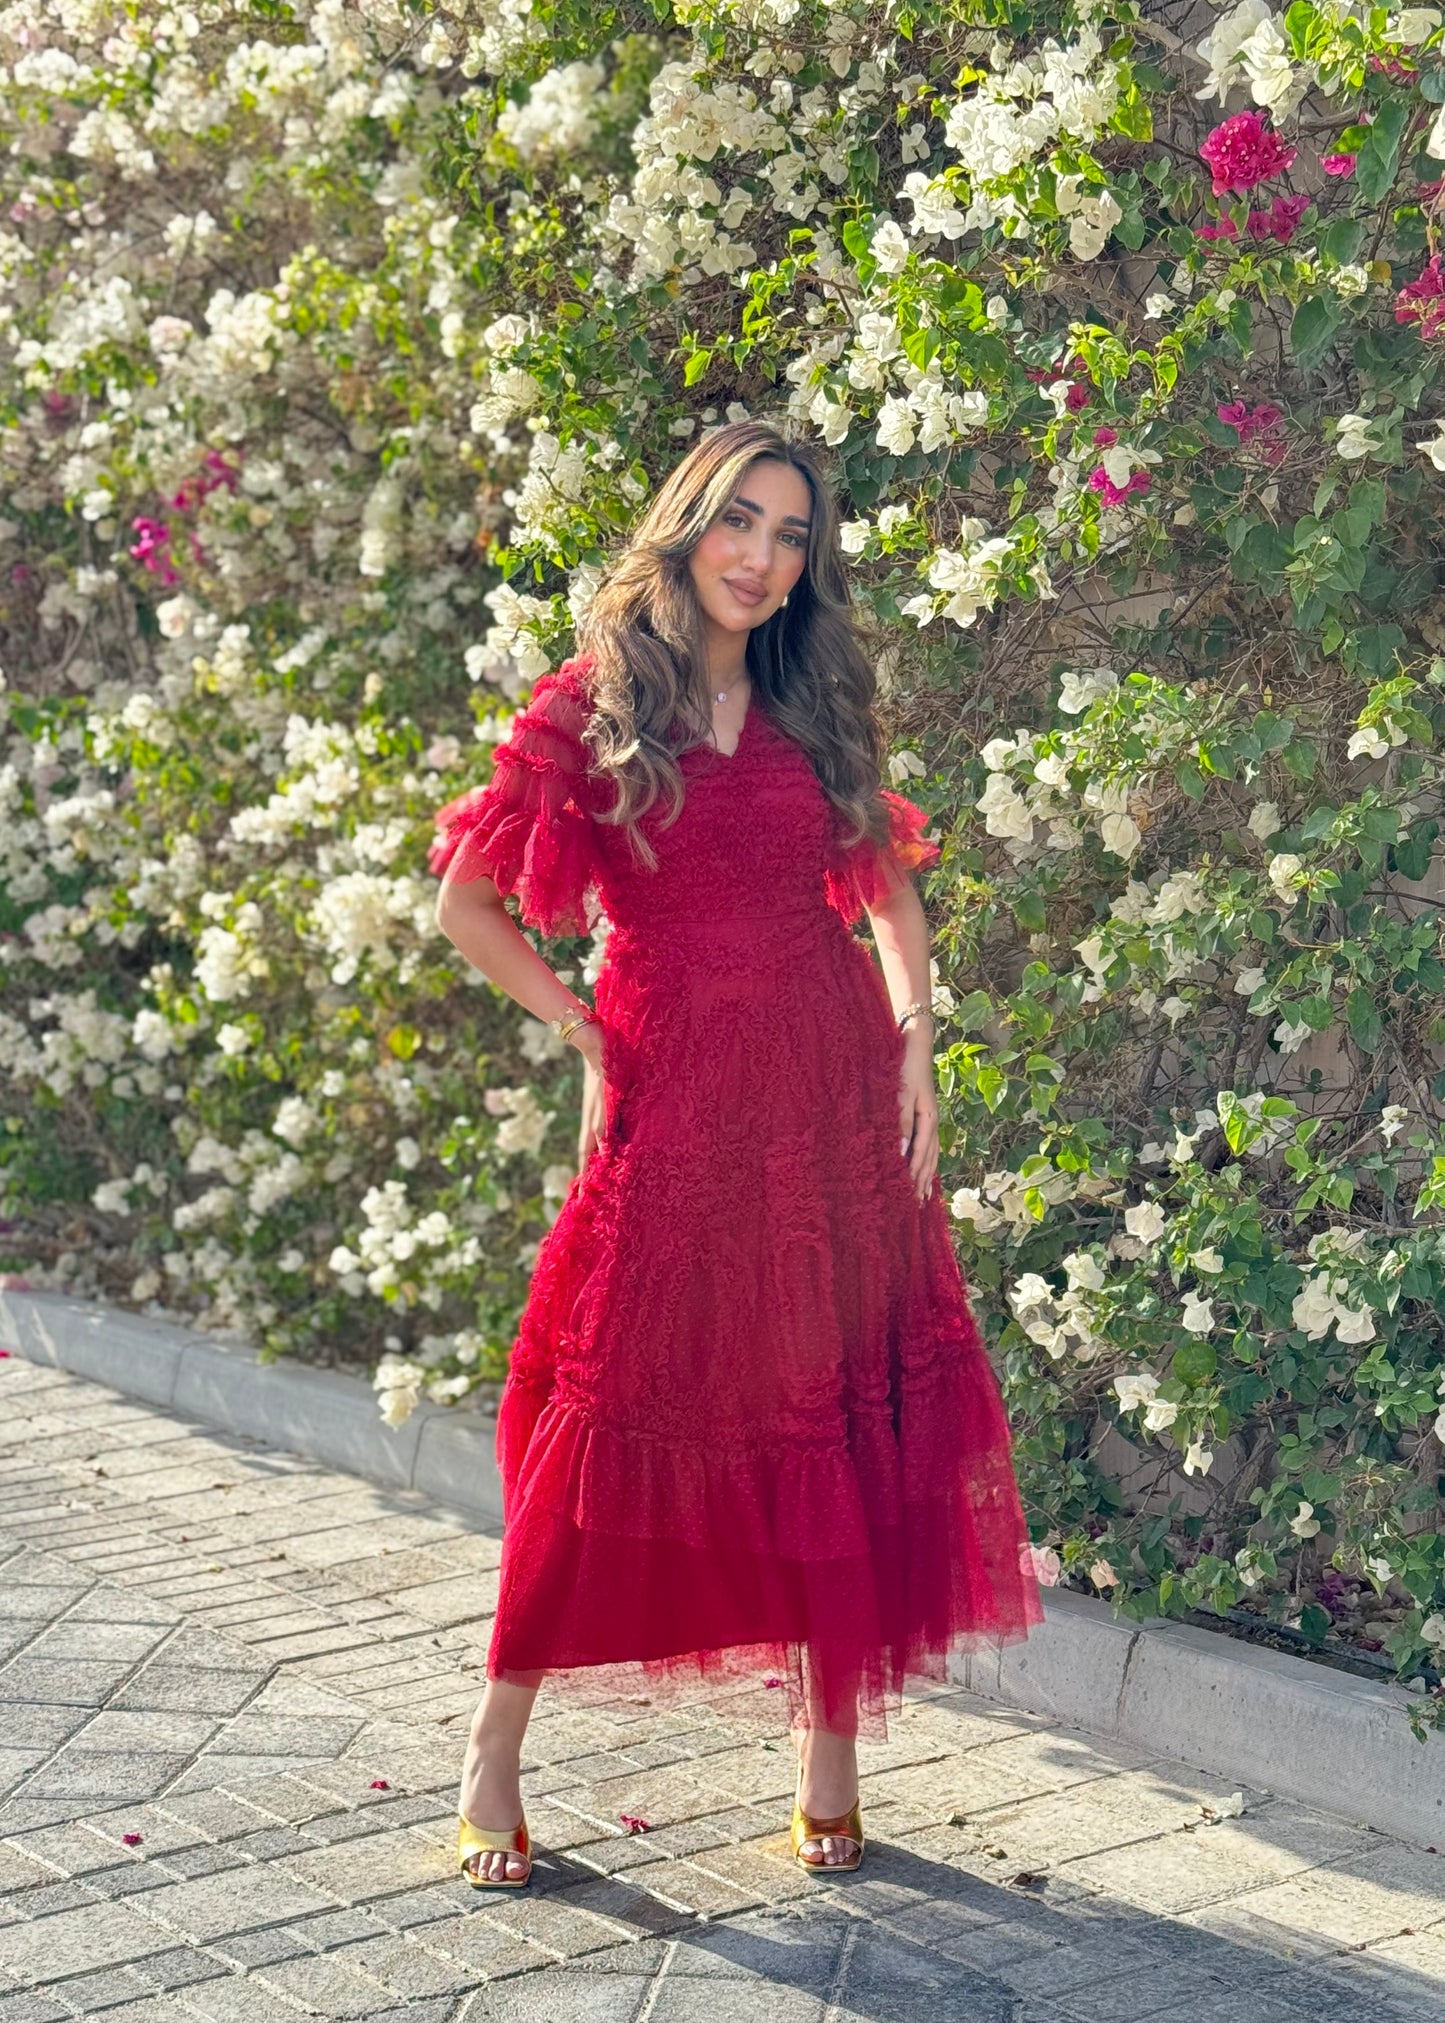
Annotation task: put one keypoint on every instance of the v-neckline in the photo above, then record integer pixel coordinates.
(717, 749)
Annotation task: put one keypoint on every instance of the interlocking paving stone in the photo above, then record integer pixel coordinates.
(265, 1669)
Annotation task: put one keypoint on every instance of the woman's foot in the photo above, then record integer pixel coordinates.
(491, 1798)
(828, 1790)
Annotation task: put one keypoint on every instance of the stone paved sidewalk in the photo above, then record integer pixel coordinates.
(263, 1669)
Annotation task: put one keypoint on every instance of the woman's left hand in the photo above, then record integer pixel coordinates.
(918, 1106)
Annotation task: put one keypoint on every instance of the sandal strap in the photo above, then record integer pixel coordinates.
(482, 1840)
(847, 1825)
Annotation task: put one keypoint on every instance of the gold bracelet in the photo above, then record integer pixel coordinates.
(568, 1022)
(911, 1011)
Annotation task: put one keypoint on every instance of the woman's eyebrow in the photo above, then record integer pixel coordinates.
(789, 519)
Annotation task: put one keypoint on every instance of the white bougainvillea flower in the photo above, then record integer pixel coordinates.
(1290, 1035)
(1318, 1306)
(968, 1205)
(1121, 834)
(1160, 1415)
(1304, 1523)
(1134, 1391)
(896, 427)
(1264, 820)
(1004, 811)
(1283, 872)
(1412, 26)
(1198, 1458)
(1083, 686)
(1248, 982)
(1273, 81)
(1392, 1121)
(1220, 48)
(1355, 437)
(1434, 446)
(1146, 1220)
(1083, 1269)
(1198, 1315)
(889, 247)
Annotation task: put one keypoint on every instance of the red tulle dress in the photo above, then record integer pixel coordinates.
(749, 1427)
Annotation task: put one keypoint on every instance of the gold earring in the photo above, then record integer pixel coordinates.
(785, 601)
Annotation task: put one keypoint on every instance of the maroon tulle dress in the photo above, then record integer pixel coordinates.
(749, 1426)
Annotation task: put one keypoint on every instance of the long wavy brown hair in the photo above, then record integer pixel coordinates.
(808, 668)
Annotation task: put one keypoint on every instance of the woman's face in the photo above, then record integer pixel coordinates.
(756, 548)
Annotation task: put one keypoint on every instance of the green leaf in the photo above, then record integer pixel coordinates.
(992, 1086)
(972, 1010)
(1194, 1362)
(696, 366)
(1411, 855)
(1379, 157)
(1028, 911)
(1313, 325)
(1363, 1016)
(1341, 241)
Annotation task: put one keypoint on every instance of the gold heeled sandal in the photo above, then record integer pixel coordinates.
(478, 1840)
(848, 1826)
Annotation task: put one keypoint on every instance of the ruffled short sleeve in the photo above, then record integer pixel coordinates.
(868, 873)
(530, 828)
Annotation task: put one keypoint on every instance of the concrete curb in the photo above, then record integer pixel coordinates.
(324, 1414)
(1336, 1742)
(1333, 1741)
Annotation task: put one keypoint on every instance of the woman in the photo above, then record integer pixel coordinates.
(748, 1424)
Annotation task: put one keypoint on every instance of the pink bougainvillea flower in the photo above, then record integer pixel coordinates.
(1077, 396)
(1338, 165)
(1422, 300)
(773, 1685)
(1042, 1562)
(1116, 495)
(214, 473)
(151, 548)
(1223, 228)
(1242, 151)
(1105, 438)
(380, 1784)
(1280, 221)
(634, 1824)
(131, 1839)
(1259, 426)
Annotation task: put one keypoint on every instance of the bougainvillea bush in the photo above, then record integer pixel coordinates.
(339, 344)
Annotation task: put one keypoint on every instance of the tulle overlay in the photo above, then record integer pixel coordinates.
(749, 1426)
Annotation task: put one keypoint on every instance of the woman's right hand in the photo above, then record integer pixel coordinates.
(588, 1041)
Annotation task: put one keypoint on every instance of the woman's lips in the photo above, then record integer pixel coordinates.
(745, 593)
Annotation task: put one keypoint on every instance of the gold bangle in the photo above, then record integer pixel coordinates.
(912, 1011)
(568, 1023)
